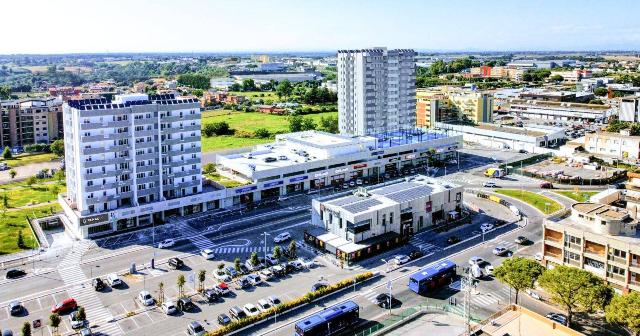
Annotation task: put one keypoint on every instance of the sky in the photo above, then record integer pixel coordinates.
(99, 26)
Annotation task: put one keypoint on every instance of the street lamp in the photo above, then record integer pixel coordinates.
(265, 246)
(153, 243)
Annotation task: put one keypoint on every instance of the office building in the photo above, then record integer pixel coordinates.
(600, 236)
(446, 104)
(573, 76)
(372, 220)
(620, 145)
(30, 121)
(131, 161)
(376, 90)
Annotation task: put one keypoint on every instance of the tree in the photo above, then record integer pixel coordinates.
(5, 200)
(284, 88)
(236, 264)
(216, 128)
(12, 173)
(254, 259)
(26, 329)
(308, 124)
(54, 189)
(625, 311)
(196, 81)
(161, 292)
(235, 87)
(292, 250)
(57, 147)
(329, 124)
(82, 315)
(6, 153)
(519, 273)
(556, 78)
(295, 123)
(571, 287)
(220, 266)
(600, 91)
(30, 181)
(197, 93)
(277, 252)
(180, 282)
(202, 276)
(209, 168)
(5, 92)
(59, 175)
(54, 321)
(248, 85)
(20, 239)
(262, 133)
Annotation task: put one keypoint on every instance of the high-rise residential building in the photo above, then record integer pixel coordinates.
(376, 90)
(30, 121)
(444, 104)
(131, 161)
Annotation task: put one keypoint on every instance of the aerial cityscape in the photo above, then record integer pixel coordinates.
(320, 168)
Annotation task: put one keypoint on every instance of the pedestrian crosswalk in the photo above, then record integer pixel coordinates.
(370, 295)
(509, 245)
(241, 249)
(423, 246)
(196, 238)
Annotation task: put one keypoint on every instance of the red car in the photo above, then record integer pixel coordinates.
(65, 306)
(546, 185)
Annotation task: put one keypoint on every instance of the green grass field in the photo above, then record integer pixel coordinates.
(247, 121)
(580, 196)
(533, 199)
(33, 195)
(258, 95)
(24, 159)
(13, 221)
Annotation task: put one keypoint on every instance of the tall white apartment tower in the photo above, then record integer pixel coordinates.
(130, 161)
(376, 90)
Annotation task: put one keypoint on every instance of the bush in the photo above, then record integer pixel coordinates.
(262, 133)
(244, 134)
(216, 128)
(209, 168)
(37, 148)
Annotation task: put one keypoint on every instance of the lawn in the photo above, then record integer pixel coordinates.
(267, 95)
(24, 159)
(36, 194)
(229, 183)
(13, 221)
(533, 199)
(248, 122)
(580, 196)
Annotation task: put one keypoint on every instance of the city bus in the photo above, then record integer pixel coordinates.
(329, 321)
(432, 277)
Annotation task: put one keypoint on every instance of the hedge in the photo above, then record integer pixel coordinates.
(299, 301)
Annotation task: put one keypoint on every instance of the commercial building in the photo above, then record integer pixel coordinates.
(444, 104)
(620, 145)
(261, 77)
(372, 220)
(311, 160)
(376, 90)
(573, 76)
(560, 110)
(531, 138)
(486, 71)
(30, 121)
(629, 109)
(517, 320)
(131, 161)
(598, 237)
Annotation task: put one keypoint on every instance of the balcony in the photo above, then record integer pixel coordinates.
(618, 261)
(100, 187)
(622, 279)
(552, 241)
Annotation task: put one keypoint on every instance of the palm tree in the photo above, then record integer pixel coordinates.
(202, 275)
(54, 321)
(181, 282)
(161, 292)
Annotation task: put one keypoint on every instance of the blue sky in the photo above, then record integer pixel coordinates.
(64, 26)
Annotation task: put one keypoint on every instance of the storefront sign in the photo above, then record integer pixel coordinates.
(299, 178)
(358, 166)
(321, 174)
(410, 156)
(245, 189)
(272, 184)
(341, 170)
(94, 219)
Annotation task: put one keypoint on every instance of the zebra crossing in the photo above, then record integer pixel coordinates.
(196, 238)
(423, 246)
(241, 249)
(370, 296)
(509, 245)
(491, 299)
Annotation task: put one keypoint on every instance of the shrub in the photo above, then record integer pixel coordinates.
(262, 133)
(244, 134)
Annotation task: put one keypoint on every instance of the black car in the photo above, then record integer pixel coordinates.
(318, 286)
(243, 269)
(385, 300)
(522, 151)
(15, 273)
(98, 284)
(415, 254)
(237, 313)
(15, 308)
(185, 304)
(210, 294)
(288, 268)
(224, 319)
(453, 240)
(175, 263)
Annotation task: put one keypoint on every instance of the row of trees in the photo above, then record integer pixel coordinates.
(299, 123)
(572, 288)
(616, 125)
(194, 80)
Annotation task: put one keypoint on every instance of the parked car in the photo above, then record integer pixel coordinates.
(231, 271)
(185, 304)
(251, 310)
(254, 279)
(415, 254)
(7, 332)
(533, 294)
(274, 300)
(484, 227)
(401, 259)
(318, 286)
(476, 261)
(210, 295)
(175, 263)
(500, 250)
(15, 307)
(297, 265)
(488, 269)
(15, 273)
(114, 280)
(224, 319)
(267, 274)
(288, 268)
(385, 300)
(237, 313)
(522, 240)
(75, 321)
(546, 185)
(264, 305)
(453, 240)
(207, 254)
(65, 306)
(271, 260)
(220, 275)
(538, 256)
(169, 307)
(282, 237)
(522, 151)
(85, 332)
(243, 282)
(251, 267)
(222, 289)
(194, 328)
(559, 318)
(278, 270)
(166, 243)
(489, 185)
(307, 263)
(145, 298)
(98, 284)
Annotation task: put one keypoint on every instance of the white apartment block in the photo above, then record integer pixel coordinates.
(130, 161)
(376, 90)
(630, 109)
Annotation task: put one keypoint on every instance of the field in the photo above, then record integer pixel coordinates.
(258, 95)
(248, 122)
(23, 159)
(36, 194)
(533, 199)
(13, 221)
(580, 196)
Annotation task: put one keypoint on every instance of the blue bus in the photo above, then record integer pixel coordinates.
(432, 277)
(329, 321)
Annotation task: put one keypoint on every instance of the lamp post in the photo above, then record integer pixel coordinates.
(153, 243)
(265, 246)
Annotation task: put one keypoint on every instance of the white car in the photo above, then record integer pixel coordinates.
(254, 279)
(538, 256)
(401, 259)
(271, 260)
(264, 305)
(266, 274)
(114, 280)
(282, 237)
(169, 307)
(308, 263)
(500, 250)
(274, 300)
(166, 243)
(220, 275)
(475, 261)
(489, 185)
(486, 227)
(207, 254)
(251, 310)
(488, 270)
(145, 298)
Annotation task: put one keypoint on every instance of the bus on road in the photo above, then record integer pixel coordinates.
(432, 277)
(329, 321)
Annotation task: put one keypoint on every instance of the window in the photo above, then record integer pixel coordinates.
(570, 256)
(617, 253)
(568, 239)
(615, 270)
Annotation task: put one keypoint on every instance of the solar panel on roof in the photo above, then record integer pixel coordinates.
(344, 200)
(410, 194)
(361, 206)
